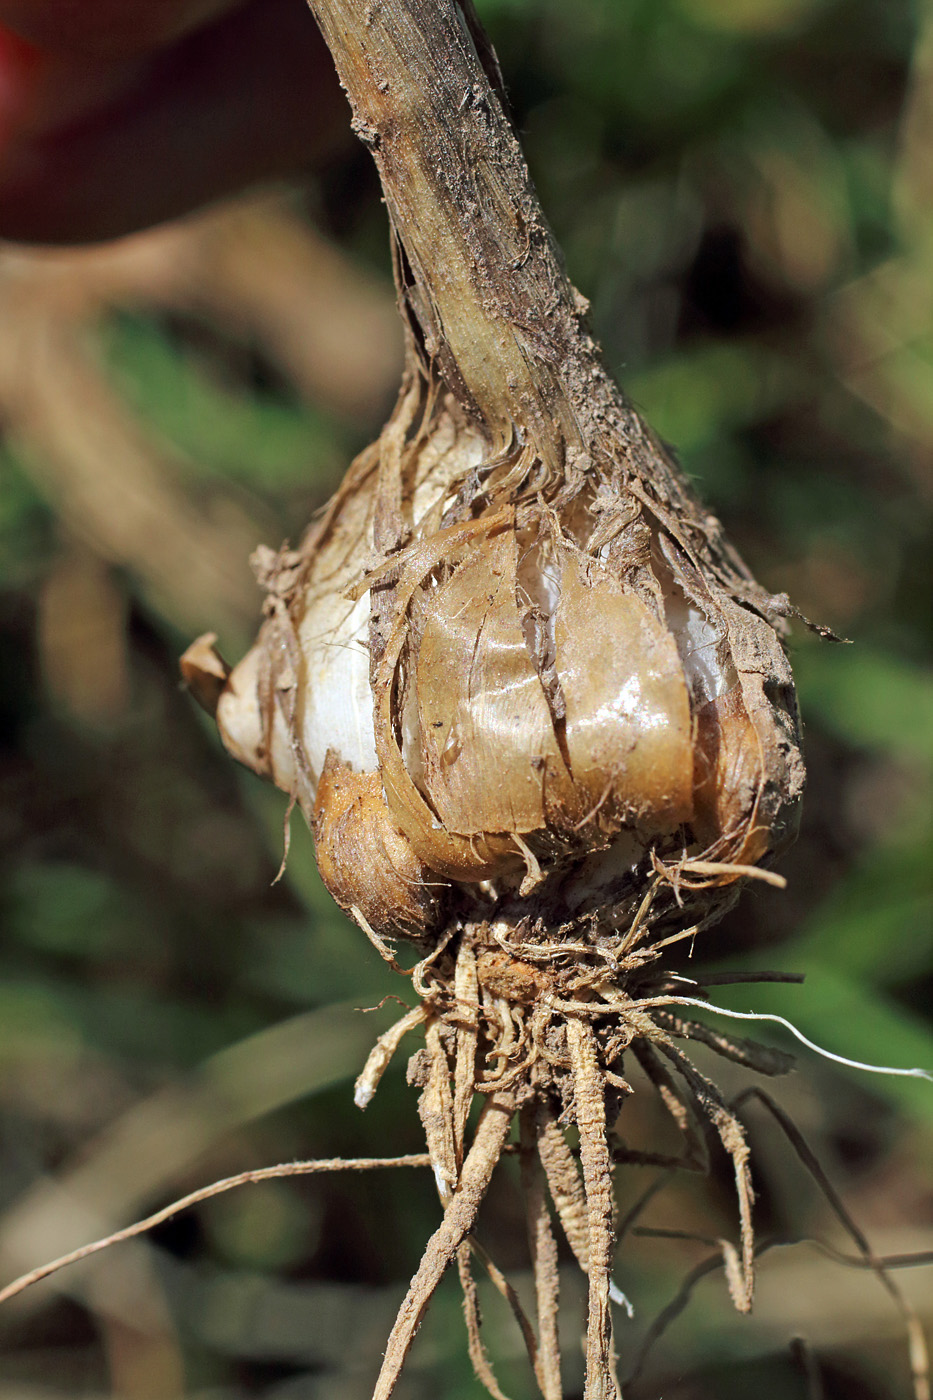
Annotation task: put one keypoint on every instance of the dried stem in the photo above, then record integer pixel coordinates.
(425, 107)
(491, 312)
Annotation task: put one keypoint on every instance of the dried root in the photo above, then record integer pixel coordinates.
(570, 1083)
(590, 1113)
(543, 1248)
(542, 1033)
(459, 1216)
(482, 1366)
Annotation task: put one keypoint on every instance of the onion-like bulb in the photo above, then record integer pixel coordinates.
(513, 670)
(529, 706)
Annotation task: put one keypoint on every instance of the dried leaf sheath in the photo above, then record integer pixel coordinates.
(531, 703)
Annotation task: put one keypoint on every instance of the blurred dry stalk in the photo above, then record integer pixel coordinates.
(81, 628)
(156, 1143)
(161, 1140)
(879, 325)
(259, 273)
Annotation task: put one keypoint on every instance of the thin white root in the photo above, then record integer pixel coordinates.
(915, 1073)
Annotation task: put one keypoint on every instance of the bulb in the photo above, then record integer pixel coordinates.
(524, 709)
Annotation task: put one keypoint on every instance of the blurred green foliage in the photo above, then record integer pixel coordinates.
(740, 193)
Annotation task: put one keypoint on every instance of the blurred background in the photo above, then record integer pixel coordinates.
(744, 190)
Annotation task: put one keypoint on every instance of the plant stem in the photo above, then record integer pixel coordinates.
(483, 284)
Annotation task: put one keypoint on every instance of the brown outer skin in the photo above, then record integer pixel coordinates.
(498, 353)
(364, 860)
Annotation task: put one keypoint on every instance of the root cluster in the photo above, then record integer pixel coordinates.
(540, 1028)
